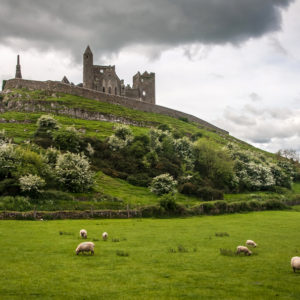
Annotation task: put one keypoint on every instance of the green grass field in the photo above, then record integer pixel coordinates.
(39, 263)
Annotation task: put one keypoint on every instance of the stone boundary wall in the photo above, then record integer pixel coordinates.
(59, 87)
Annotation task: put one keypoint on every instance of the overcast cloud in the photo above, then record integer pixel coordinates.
(112, 25)
(234, 63)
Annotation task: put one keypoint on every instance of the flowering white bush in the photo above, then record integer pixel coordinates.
(8, 159)
(121, 138)
(73, 172)
(163, 184)
(47, 122)
(257, 172)
(156, 138)
(31, 184)
(184, 149)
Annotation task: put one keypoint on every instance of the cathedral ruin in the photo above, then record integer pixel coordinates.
(104, 79)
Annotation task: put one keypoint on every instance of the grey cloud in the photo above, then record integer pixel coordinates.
(109, 26)
(238, 119)
(277, 46)
(255, 97)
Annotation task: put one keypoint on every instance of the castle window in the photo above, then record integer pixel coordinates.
(144, 93)
(101, 70)
(116, 90)
(142, 80)
(103, 89)
(109, 90)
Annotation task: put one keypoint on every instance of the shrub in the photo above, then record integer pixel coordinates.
(188, 188)
(47, 122)
(8, 160)
(208, 193)
(140, 179)
(73, 172)
(208, 207)
(46, 125)
(121, 138)
(67, 139)
(17, 203)
(184, 119)
(31, 184)
(3, 137)
(152, 211)
(167, 202)
(51, 156)
(164, 127)
(163, 184)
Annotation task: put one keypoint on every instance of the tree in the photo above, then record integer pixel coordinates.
(73, 172)
(163, 184)
(31, 184)
(214, 163)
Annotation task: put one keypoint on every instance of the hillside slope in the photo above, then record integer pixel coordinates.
(122, 175)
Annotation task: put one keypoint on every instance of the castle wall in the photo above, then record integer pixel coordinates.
(60, 87)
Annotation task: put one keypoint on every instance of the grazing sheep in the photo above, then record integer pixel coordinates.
(83, 233)
(85, 247)
(243, 249)
(251, 243)
(295, 263)
(104, 236)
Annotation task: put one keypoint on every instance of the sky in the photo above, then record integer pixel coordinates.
(233, 63)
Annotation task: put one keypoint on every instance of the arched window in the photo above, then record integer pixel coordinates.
(103, 89)
(116, 90)
(144, 93)
(109, 90)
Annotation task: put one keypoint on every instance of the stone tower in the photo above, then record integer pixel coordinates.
(18, 68)
(145, 83)
(88, 77)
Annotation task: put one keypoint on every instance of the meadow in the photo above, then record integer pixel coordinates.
(152, 258)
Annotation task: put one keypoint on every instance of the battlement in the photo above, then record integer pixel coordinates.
(60, 87)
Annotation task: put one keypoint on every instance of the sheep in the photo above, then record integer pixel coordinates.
(104, 236)
(85, 247)
(243, 249)
(83, 233)
(295, 263)
(251, 243)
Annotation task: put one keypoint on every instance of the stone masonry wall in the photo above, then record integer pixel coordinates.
(59, 87)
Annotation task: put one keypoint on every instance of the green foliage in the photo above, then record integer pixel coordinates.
(46, 125)
(3, 84)
(73, 172)
(8, 160)
(167, 201)
(163, 184)
(214, 164)
(121, 137)
(17, 203)
(67, 139)
(208, 193)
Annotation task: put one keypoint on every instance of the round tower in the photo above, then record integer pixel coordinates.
(88, 78)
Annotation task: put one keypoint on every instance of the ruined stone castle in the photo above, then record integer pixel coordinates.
(101, 83)
(105, 79)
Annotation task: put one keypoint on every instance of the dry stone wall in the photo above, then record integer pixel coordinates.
(59, 87)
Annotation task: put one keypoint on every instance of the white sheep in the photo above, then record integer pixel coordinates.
(85, 247)
(251, 243)
(104, 236)
(83, 233)
(295, 263)
(243, 249)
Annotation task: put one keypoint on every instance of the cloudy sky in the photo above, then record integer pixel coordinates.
(234, 63)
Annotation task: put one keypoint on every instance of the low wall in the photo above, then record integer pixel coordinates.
(60, 87)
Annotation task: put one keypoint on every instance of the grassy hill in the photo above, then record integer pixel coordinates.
(115, 184)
